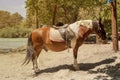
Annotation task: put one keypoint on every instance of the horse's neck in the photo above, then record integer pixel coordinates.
(76, 26)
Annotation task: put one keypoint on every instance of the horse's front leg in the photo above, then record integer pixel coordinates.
(75, 64)
(75, 51)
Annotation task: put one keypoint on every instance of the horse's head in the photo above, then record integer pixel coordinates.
(99, 30)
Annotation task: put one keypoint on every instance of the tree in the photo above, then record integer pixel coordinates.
(9, 20)
(67, 11)
(32, 8)
(4, 19)
(15, 19)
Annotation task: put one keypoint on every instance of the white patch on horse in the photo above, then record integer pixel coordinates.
(73, 42)
(75, 27)
(87, 23)
(55, 35)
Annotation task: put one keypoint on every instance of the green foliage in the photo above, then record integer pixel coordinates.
(9, 20)
(69, 11)
(4, 19)
(16, 19)
(14, 32)
(10, 25)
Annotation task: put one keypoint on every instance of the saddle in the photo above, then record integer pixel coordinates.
(60, 27)
(66, 33)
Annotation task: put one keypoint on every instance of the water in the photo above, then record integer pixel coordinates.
(12, 43)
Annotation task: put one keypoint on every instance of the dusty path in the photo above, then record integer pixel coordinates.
(97, 62)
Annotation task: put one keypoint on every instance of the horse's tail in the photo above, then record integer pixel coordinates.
(30, 51)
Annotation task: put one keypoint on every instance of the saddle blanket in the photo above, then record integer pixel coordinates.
(55, 35)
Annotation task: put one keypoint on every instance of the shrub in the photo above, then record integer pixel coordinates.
(14, 32)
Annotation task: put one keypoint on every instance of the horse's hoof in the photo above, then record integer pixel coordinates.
(37, 71)
(76, 67)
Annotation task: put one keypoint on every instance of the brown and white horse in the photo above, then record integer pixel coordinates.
(40, 39)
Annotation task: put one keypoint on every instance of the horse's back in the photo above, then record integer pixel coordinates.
(40, 33)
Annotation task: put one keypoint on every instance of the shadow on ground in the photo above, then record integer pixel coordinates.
(111, 71)
(83, 66)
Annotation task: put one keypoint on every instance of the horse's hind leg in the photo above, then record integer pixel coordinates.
(37, 50)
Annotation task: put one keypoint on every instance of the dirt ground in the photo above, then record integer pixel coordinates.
(96, 62)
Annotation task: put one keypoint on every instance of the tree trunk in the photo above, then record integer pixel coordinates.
(75, 17)
(66, 17)
(114, 26)
(54, 12)
(36, 19)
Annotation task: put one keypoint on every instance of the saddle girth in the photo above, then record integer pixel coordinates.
(67, 34)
